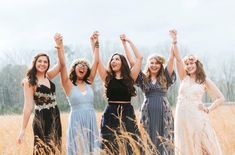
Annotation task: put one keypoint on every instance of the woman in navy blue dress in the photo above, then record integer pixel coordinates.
(156, 113)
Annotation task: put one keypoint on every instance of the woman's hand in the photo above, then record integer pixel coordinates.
(202, 107)
(21, 136)
(95, 39)
(124, 39)
(58, 40)
(173, 34)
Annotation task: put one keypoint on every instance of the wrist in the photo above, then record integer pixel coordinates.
(174, 42)
(97, 45)
(58, 46)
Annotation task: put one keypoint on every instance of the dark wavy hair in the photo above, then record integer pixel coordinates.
(31, 73)
(72, 73)
(125, 73)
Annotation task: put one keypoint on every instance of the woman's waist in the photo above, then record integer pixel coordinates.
(45, 106)
(81, 106)
(156, 93)
(189, 98)
(119, 102)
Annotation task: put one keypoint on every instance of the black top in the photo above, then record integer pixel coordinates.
(117, 90)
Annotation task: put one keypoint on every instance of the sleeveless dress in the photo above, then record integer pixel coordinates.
(46, 121)
(118, 121)
(194, 134)
(82, 134)
(156, 113)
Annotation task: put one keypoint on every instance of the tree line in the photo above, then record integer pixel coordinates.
(14, 66)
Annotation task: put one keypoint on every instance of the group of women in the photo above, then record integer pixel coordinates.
(190, 132)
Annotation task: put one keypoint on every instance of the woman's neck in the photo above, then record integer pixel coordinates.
(192, 76)
(40, 75)
(80, 81)
(118, 75)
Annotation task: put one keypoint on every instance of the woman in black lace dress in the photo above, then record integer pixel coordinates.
(39, 90)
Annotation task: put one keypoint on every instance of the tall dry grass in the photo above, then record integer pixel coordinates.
(223, 120)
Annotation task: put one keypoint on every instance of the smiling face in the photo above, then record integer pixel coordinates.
(190, 64)
(81, 70)
(42, 64)
(154, 66)
(190, 67)
(116, 63)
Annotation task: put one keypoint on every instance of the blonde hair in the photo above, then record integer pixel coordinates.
(161, 78)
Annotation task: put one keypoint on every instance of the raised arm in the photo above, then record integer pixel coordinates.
(95, 47)
(67, 84)
(179, 62)
(170, 63)
(51, 73)
(135, 70)
(215, 94)
(101, 69)
(127, 51)
(28, 106)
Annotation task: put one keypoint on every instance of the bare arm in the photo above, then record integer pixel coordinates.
(28, 106)
(179, 62)
(170, 63)
(127, 51)
(67, 84)
(102, 71)
(51, 73)
(215, 94)
(95, 46)
(135, 70)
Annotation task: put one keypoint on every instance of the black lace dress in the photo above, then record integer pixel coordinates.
(46, 122)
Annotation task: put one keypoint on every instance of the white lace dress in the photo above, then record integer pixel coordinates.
(194, 134)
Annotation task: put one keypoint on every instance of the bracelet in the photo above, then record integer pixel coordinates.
(57, 47)
(97, 45)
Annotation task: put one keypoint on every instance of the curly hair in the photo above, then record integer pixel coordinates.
(73, 75)
(125, 73)
(31, 73)
(200, 73)
(161, 78)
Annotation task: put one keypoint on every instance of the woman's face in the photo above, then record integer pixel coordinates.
(81, 70)
(42, 64)
(116, 63)
(190, 67)
(154, 66)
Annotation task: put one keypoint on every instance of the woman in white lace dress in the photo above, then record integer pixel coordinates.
(194, 134)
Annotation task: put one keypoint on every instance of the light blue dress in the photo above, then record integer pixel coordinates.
(82, 133)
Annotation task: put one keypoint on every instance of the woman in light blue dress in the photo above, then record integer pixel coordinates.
(82, 134)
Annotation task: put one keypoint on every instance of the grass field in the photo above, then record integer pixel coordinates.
(223, 120)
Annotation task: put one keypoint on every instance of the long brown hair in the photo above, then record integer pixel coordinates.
(125, 73)
(72, 74)
(200, 73)
(161, 78)
(31, 73)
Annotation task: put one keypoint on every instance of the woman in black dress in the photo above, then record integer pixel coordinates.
(40, 90)
(118, 124)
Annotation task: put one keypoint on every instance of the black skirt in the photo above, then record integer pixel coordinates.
(119, 128)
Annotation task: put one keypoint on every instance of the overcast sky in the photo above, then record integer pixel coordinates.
(204, 26)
